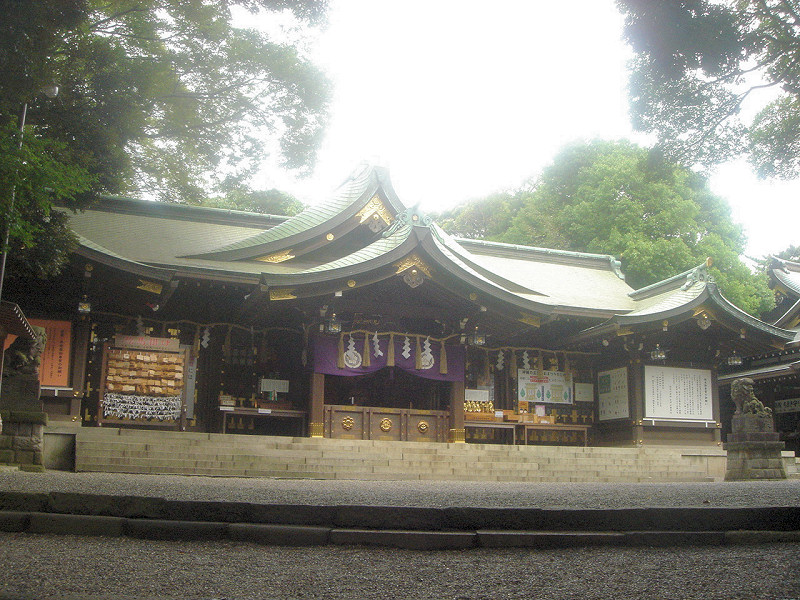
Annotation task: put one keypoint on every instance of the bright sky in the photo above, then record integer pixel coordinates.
(461, 98)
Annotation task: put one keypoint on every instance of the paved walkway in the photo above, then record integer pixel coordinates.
(434, 494)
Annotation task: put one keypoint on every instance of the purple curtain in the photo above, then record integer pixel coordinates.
(326, 354)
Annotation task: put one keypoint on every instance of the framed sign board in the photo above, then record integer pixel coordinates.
(612, 394)
(673, 393)
(789, 405)
(553, 387)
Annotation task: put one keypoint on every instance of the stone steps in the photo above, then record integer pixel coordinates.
(792, 464)
(232, 455)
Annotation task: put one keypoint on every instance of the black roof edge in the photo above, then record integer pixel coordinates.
(186, 212)
(160, 273)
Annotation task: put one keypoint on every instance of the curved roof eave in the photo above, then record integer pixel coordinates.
(740, 315)
(363, 261)
(618, 321)
(789, 279)
(348, 199)
(788, 316)
(710, 293)
(99, 254)
(92, 251)
(436, 249)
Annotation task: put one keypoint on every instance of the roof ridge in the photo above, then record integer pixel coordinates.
(156, 208)
(606, 259)
(310, 219)
(687, 279)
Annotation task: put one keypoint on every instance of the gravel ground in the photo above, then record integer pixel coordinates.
(412, 493)
(72, 568)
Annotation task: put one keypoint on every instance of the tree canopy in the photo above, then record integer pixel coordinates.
(699, 61)
(266, 202)
(615, 198)
(163, 99)
(482, 218)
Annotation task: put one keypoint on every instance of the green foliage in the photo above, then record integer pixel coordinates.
(698, 61)
(791, 253)
(164, 99)
(484, 218)
(619, 199)
(32, 176)
(268, 202)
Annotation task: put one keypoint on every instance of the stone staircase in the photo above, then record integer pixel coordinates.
(792, 464)
(182, 453)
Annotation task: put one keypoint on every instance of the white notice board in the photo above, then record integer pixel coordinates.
(612, 394)
(584, 392)
(672, 393)
(544, 386)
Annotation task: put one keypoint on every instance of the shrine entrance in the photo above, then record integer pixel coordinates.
(393, 396)
(387, 405)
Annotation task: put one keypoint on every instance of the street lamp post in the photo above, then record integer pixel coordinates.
(51, 91)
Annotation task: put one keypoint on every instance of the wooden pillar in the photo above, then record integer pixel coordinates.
(316, 416)
(636, 378)
(457, 393)
(715, 409)
(80, 351)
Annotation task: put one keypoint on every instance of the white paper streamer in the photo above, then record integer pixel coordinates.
(128, 406)
(406, 348)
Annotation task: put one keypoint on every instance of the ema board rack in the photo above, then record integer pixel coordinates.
(142, 382)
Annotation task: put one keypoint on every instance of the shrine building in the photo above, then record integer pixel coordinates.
(776, 373)
(360, 318)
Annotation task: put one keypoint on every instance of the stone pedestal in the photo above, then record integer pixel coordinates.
(22, 440)
(754, 449)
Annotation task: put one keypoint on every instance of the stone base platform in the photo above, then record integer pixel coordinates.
(754, 460)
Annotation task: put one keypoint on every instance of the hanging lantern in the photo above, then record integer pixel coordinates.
(333, 325)
(658, 353)
(734, 360)
(477, 338)
(84, 306)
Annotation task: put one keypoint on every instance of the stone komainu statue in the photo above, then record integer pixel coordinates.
(24, 356)
(745, 399)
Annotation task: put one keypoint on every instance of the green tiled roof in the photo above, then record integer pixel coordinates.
(787, 273)
(375, 250)
(361, 182)
(187, 241)
(568, 279)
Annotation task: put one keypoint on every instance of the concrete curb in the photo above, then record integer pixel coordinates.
(767, 518)
(279, 535)
(91, 525)
(293, 535)
(401, 527)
